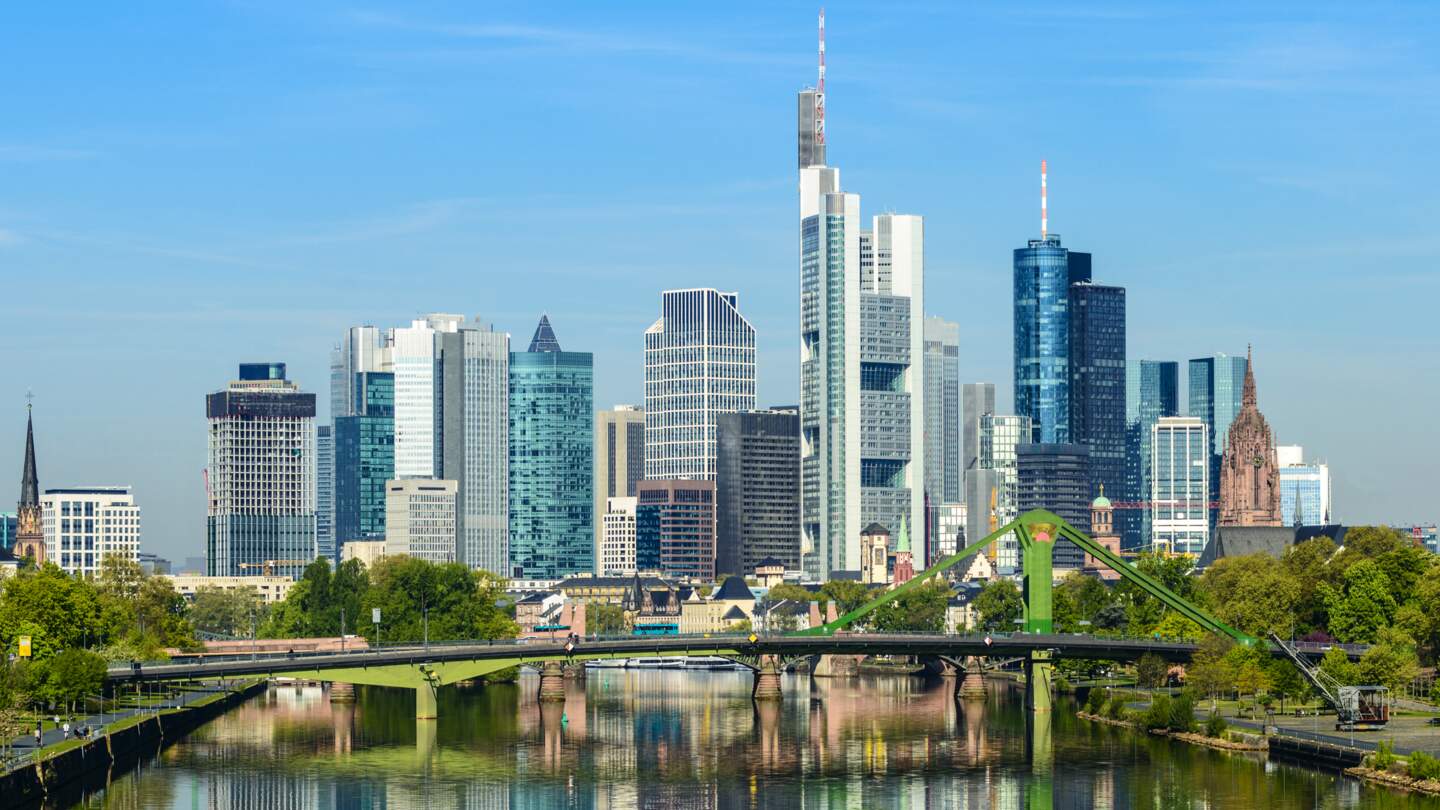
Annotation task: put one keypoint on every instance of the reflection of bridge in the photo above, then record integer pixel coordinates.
(426, 668)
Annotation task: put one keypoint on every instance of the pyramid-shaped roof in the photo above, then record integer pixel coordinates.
(734, 588)
(544, 339)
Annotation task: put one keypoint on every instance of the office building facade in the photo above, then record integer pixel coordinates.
(619, 458)
(1001, 436)
(757, 490)
(84, 526)
(415, 360)
(364, 458)
(475, 440)
(552, 466)
(1097, 381)
(260, 475)
(1305, 494)
(420, 519)
(1152, 391)
(616, 553)
(1213, 392)
(325, 493)
(1180, 485)
(942, 410)
(1044, 270)
(1056, 477)
(977, 400)
(699, 362)
(677, 517)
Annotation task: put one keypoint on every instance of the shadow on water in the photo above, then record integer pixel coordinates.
(631, 738)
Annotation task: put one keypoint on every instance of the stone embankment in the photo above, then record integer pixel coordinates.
(1231, 742)
(1393, 779)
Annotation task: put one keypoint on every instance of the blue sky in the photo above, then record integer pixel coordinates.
(186, 186)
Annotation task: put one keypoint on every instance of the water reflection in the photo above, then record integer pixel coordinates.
(658, 739)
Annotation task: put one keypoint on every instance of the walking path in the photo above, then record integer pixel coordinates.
(23, 748)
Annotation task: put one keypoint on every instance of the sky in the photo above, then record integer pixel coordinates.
(186, 186)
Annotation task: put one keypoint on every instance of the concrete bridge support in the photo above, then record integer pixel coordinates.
(342, 692)
(837, 666)
(426, 707)
(972, 686)
(767, 680)
(1039, 681)
(552, 682)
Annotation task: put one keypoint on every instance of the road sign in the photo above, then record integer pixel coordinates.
(988, 641)
(569, 646)
(374, 615)
(754, 638)
(24, 646)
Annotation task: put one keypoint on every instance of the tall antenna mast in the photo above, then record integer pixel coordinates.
(820, 88)
(1044, 212)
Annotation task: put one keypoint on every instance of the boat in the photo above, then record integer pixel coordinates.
(606, 663)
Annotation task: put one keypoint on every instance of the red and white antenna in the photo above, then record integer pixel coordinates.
(1044, 212)
(820, 88)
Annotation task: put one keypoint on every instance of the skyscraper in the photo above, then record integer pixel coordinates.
(260, 475)
(1001, 436)
(1152, 391)
(551, 413)
(1056, 477)
(325, 493)
(1044, 272)
(364, 458)
(699, 362)
(361, 349)
(619, 462)
(757, 490)
(1307, 483)
(1249, 474)
(977, 401)
(86, 525)
(616, 555)
(420, 518)
(1097, 380)
(678, 517)
(29, 531)
(1179, 485)
(415, 358)
(475, 440)
(1214, 387)
(942, 410)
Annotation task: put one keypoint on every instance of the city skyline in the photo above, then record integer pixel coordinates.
(1233, 282)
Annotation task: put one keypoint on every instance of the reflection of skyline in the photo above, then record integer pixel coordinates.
(661, 739)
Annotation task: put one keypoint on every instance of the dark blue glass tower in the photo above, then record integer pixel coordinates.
(1044, 272)
(1097, 381)
(1152, 390)
(1216, 386)
(365, 459)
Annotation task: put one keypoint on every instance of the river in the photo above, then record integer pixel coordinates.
(661, 739)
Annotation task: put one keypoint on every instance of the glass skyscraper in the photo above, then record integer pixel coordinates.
(1097, 381)
(1044, 271)
(551, 460)
(364, 458)
(1215, 385)
(942, 411)
(1000, 436)
(1056, 477)
(1179, 485)
(1152, 390)
(1310, 483)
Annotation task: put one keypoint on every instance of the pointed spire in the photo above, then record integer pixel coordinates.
(903, 544)
(544, 339)
(1299, 516)
(29, 481)
(1248, 398)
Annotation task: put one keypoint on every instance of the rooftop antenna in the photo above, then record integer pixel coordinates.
(1044, 212)
(820, 87)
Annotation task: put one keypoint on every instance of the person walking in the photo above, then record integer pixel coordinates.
(39, 732)
(65, 732)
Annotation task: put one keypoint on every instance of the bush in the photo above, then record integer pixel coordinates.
(1115, 707)
(1435, 692)
(1182, 714)
(1384, 756)
(1151, 670)
(1158, 715)
(1215, 726)
(1423, 766)
(1095, 701)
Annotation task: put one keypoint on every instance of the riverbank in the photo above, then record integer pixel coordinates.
(1232, 741)
(115, 748)
(1391, 779)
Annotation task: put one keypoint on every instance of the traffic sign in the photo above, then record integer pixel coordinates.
(24, 646)
(754, 638)
(988, 641)
(374, 615)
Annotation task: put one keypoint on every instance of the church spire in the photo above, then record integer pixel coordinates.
(29, 481)
(1247, 399)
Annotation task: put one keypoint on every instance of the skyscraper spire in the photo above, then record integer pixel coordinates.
(820, 88)
(1044, 203)
(544, 339)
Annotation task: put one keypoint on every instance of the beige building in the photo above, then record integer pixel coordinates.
(420, 518)
(617, 543)
(619, 461)
(270, 589)
(368, 552)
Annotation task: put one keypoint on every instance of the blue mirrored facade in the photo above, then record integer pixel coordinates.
(1044, 271)
(1215, 386)
(365, 459)
(1097, 381)
(552, 418)
(1152, 390)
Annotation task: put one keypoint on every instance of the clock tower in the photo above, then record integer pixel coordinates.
(1249, 471)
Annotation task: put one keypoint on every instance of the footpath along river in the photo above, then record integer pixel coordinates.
(663, 739)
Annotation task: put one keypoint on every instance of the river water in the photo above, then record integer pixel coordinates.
(662, 739)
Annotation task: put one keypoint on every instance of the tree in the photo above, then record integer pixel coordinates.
(1247, 666)
(72, 675)
(998, 605)
(1390, 661)
(1308, 564)
(56, 610)
(1175, 626)
(1337, 665)
(1151, 670)
(790, 591)
(1362, 605)
(1253, 593)
(918, 610)
(1285, 681)
(453, 601)
(1209, 670)
(604, 619)
(847, 594)
(225, 612)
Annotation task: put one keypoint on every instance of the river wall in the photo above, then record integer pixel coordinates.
(95, 762)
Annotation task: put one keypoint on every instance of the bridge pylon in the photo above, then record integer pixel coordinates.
(767, 679)
(552, 682)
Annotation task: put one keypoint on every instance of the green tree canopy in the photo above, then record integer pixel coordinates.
(790, 591)
(998, 605)
(1362, 604)
(847, 594)
(56, 610)
(918, 610)
(226, 611)
(1253, 593)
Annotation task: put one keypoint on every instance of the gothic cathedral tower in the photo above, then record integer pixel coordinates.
(29, 536)
(1249, 472)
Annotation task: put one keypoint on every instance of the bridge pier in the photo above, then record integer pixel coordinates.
(552, 682)
(342, 692)
(1039, 681)
(972, 686)
(425, 705)
(767, 680)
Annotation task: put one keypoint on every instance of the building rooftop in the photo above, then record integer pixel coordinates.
(733, 588)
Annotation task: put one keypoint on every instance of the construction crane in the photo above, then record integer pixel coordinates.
(1357, 708)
